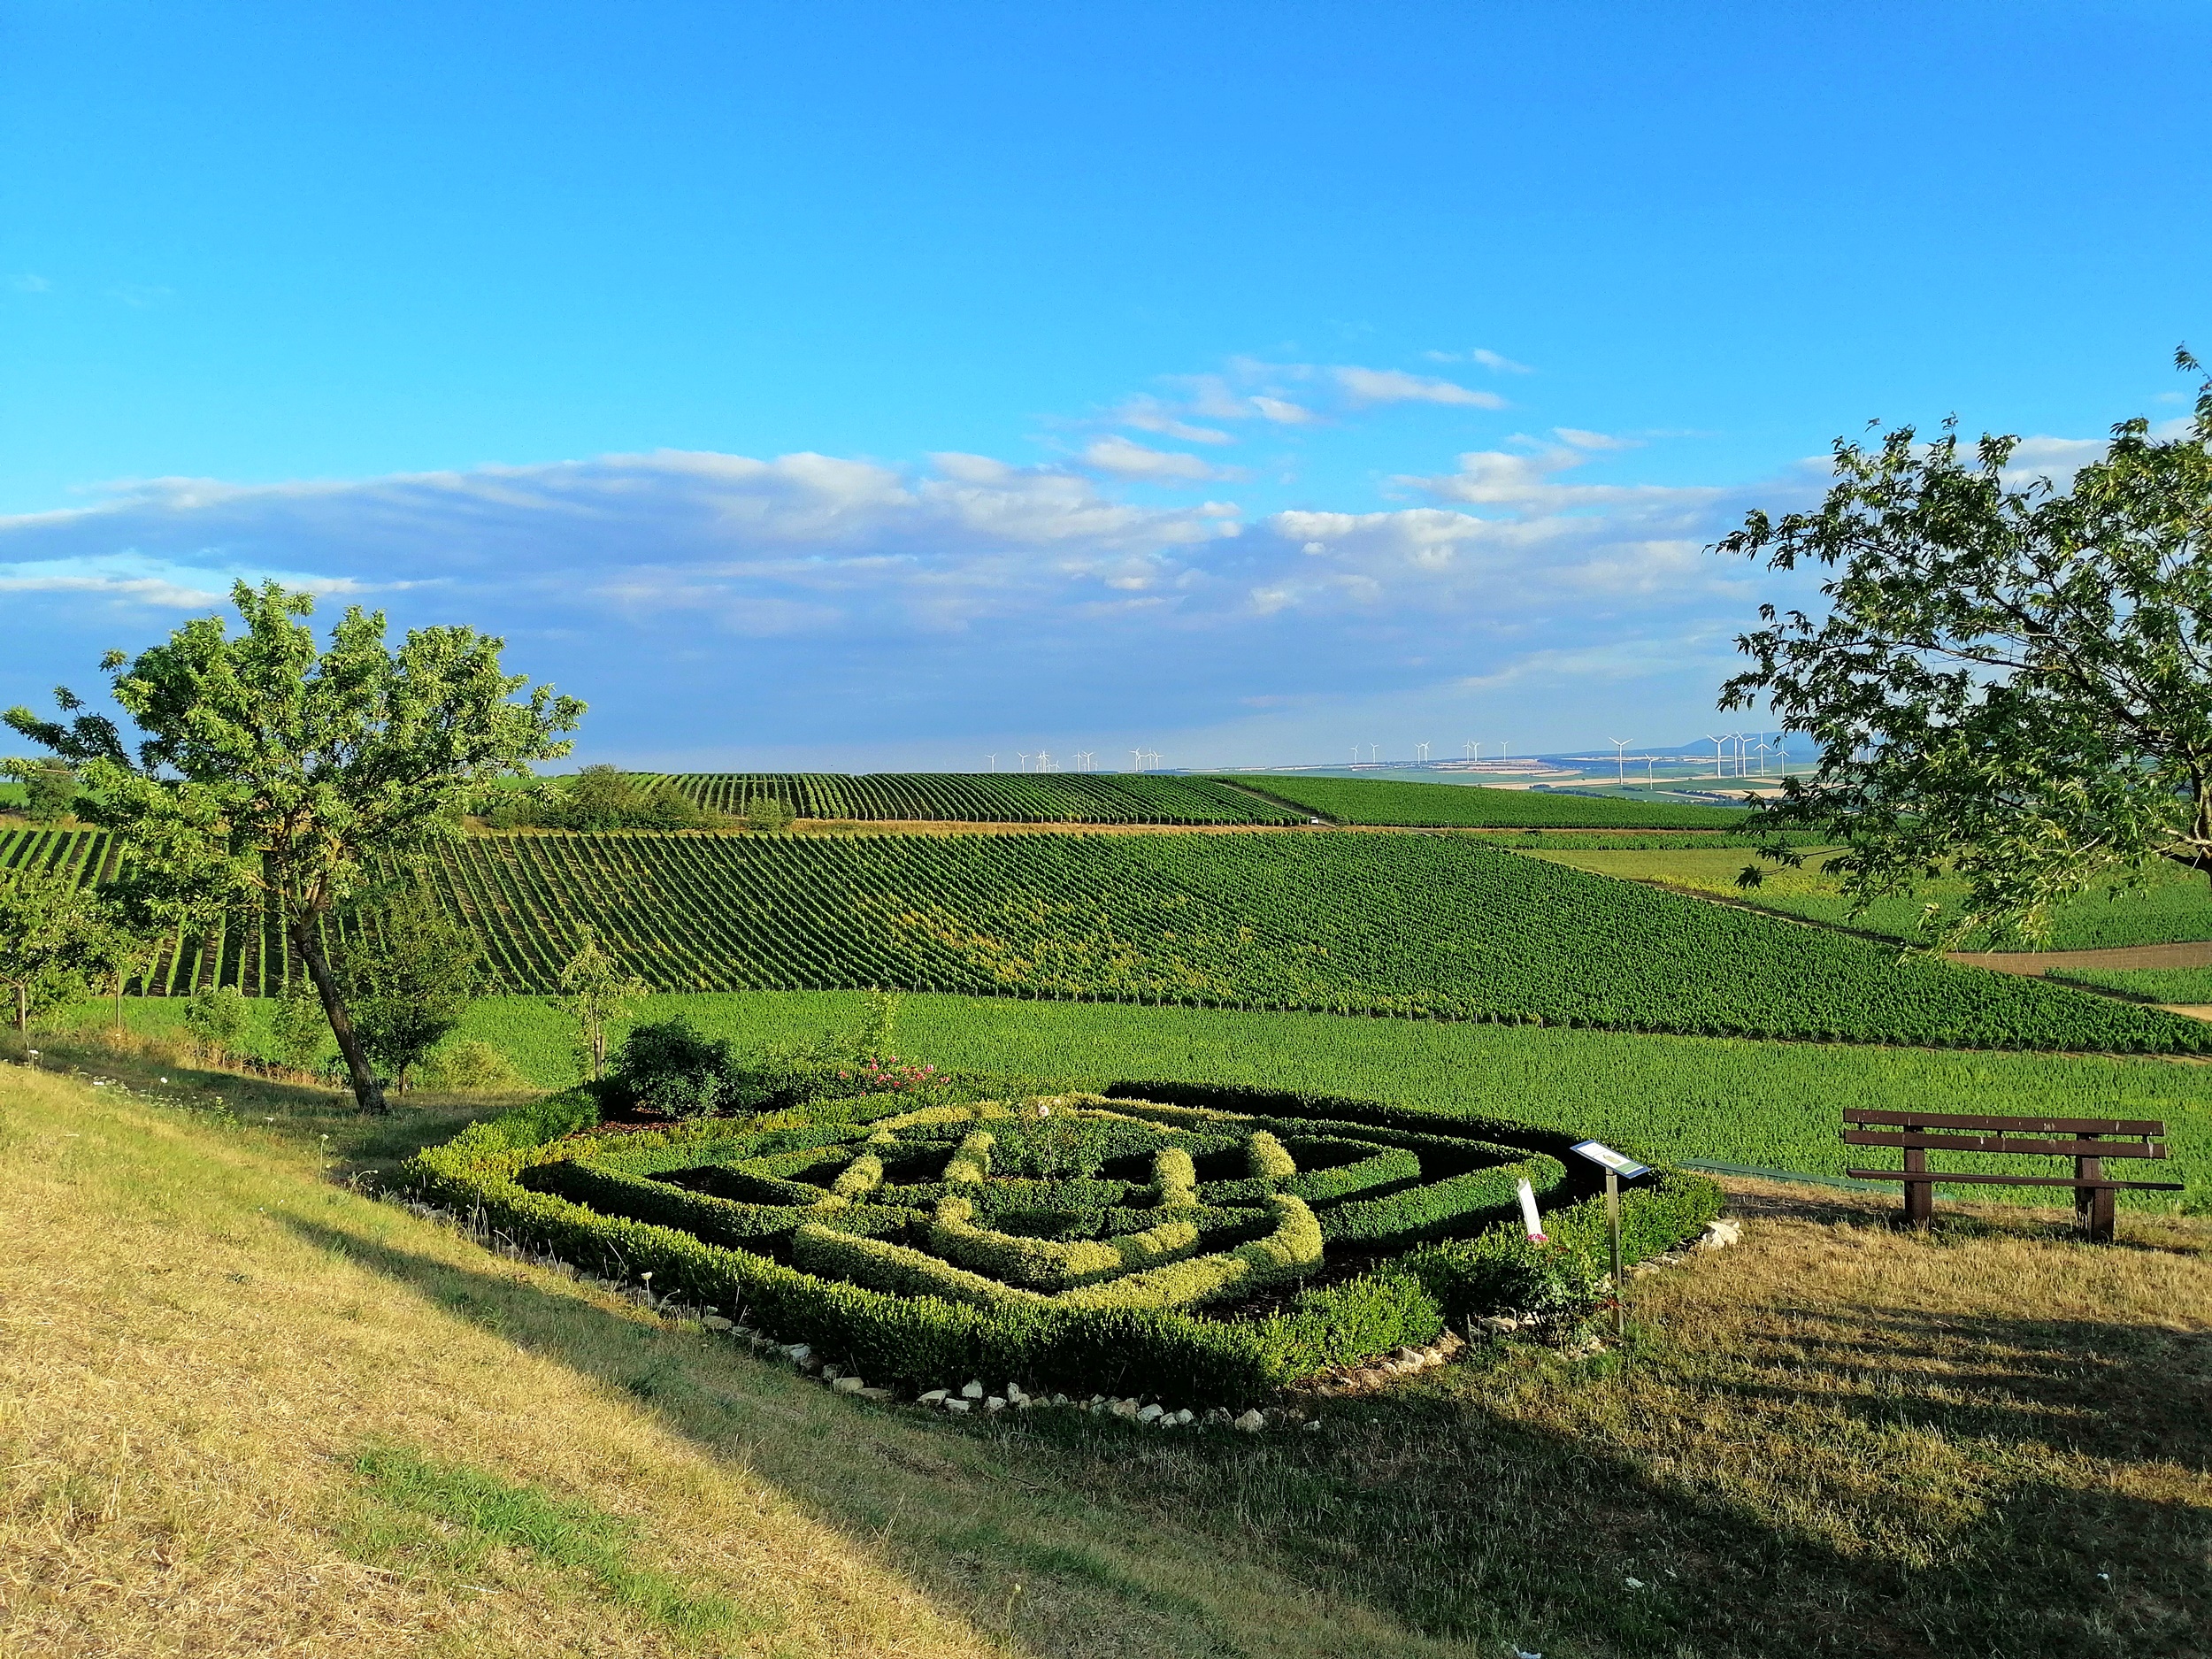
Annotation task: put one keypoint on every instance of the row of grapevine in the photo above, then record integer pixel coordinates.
(992, 797)
(1410, 925)
(1383, 801)
(1400, 925)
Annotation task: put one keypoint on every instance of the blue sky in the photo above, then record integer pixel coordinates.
(853, 386)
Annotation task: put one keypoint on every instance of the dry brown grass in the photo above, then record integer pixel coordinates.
(198, 1331)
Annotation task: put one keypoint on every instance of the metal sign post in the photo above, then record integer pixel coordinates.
(1615, 1165)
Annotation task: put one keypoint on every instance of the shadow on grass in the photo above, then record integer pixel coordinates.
(1451, 1515)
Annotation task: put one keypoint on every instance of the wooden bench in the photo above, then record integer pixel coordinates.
(2089, 1141)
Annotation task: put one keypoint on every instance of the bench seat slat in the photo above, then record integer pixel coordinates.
(1939, 1177)
(2002, 1143)
(2032, 1126)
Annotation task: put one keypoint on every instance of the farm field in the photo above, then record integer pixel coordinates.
(2176, 907)
(485, 1456)
(2191, 987)
(991, 797)
(1774, 1105)
(1447, 805)
(1401, 924)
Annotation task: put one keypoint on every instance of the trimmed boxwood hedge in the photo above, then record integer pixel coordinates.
(856, 1275)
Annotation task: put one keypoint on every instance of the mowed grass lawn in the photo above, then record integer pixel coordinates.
(1770, 1105)
(2176, 908)
(251, 1411)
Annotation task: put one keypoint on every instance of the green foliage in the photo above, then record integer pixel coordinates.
(2010, 686)
(595, 991)
(596, 798)
(408, 977)
(273, 769)
(50, 788)
(217, 1019)
(668, 1067)
(989, 798)
(298, 1026)
(1470, 806)
(767, 814)
(55, 938)
(468, 1065)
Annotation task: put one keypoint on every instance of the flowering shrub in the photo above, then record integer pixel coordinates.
(888, 1076)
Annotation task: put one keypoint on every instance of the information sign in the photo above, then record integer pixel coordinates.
(1619, 1162)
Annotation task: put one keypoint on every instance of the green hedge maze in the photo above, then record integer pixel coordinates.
(1195, 1253)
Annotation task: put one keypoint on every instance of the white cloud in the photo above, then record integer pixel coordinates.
(1117, 455)
(1581, 439)
(140, 295)
(1148, 413)
(1502, 365)
(1368, 386)
(1281, 410)
(28, 282)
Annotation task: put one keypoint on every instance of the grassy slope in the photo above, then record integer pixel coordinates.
(201, 1334)
(1769, 1104)
(2188, 985)
(2176, 906)
(1834, 1441)
(1443, 805)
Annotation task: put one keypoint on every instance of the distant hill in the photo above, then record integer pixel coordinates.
(1049, 797)
(1470, 806)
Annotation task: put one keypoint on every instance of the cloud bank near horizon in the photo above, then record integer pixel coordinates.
(719, 604)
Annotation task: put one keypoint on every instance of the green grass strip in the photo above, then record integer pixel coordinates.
(565, 1533)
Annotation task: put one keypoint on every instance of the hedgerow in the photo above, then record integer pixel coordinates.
(1163, 1291)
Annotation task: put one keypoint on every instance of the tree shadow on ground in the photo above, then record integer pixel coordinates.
(1449, 1512)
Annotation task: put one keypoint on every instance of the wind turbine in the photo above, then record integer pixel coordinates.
(1024, 755)
(1715, 741)
(1421, 754)
(994, 759)
(1620, 750)
(1374, 753)
(1473, 749)
(1136, 758)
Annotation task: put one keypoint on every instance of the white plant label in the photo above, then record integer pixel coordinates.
(1528, 1213)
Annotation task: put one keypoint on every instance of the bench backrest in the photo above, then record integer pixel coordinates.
(2060, 1137)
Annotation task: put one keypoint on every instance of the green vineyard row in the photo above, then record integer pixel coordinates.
(1470, 806)
(1403, 925)
(991, 797)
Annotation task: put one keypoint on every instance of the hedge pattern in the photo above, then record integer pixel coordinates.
(1027, 1271)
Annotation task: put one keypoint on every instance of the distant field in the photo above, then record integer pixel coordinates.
(990, 797)
(2176, 908)
(1470, 806)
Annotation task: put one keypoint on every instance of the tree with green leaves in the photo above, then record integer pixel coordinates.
(296, 1027)
(595, 991)
(50, 788)
(408, 974)
(55, 938)
(2012, 686)
(273, 772)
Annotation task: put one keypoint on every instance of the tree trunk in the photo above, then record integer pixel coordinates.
(366, 1092)
(22, 1006)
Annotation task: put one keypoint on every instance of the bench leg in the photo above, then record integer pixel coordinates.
(1919, 1195)
(2094, 1206)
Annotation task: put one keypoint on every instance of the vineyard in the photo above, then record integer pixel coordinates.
(1402, 926)
(1470, 806)
(991, 797)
